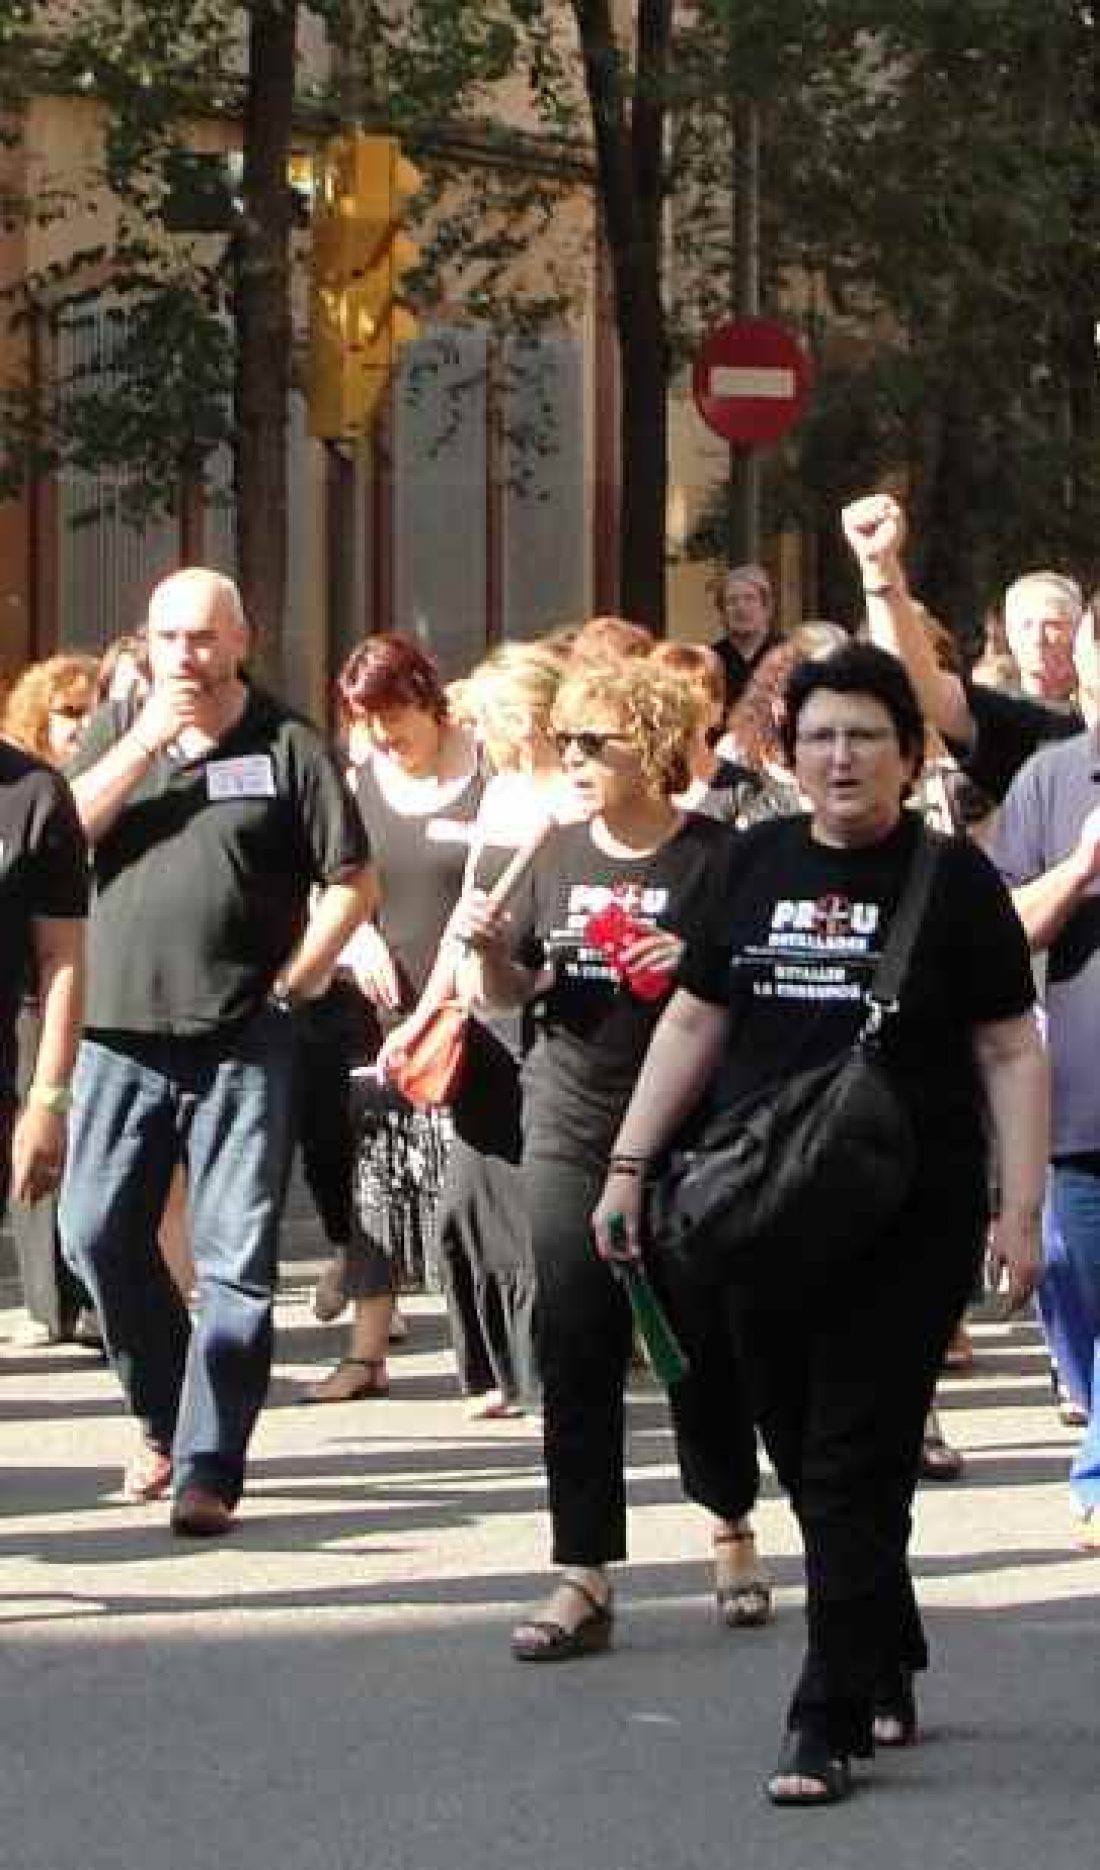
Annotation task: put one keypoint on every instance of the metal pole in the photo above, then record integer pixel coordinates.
(744, 476)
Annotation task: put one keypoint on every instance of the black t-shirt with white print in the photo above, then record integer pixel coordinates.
(591, 1031)
(793, 948)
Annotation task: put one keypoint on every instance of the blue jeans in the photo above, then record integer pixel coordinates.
(1071, 1308)
(224, 1105)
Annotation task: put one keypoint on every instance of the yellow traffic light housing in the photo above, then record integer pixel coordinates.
(359, 256)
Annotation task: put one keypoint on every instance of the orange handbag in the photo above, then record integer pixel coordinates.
(428, 1072)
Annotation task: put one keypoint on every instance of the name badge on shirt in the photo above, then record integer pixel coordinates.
(252, 776)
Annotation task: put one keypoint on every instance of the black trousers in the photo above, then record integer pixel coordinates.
(840, 1387)
(331, 1034)
(487, 1274)
(583, 1338)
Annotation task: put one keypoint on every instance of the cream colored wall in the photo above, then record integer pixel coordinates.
(64, 154)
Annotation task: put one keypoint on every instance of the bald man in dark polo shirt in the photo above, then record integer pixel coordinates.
(213, 813)
(43, 898)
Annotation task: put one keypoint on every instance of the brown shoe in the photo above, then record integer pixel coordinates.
(199, 1514)
(148, 1475)
(960, 1351)
(354, 1379)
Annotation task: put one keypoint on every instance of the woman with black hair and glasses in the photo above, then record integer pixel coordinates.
(842, 1367)
(592, 947)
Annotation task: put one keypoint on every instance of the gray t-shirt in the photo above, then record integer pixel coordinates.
(1037, 827)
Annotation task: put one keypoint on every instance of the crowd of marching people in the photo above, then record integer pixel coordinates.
(500, 962)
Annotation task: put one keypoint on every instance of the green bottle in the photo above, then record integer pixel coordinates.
(663, 1351)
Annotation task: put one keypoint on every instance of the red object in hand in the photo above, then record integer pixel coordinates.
(612, 930)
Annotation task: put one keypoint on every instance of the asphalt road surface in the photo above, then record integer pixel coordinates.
(331, 1688)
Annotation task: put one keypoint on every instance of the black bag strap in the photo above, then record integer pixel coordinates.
(893, 963)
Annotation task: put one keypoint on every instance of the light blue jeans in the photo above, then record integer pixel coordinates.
(1070, 1301)
(224, 1105)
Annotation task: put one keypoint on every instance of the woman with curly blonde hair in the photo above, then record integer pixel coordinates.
(610, 639)
(593, 946)
(48, 705)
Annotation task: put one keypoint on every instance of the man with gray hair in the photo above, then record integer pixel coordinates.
(747, 605)
(213, 812)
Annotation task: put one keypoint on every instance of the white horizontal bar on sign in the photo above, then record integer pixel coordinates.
(730, 381)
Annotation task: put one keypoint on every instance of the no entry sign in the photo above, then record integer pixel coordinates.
(751, 381)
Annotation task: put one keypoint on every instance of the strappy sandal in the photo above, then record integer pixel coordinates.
(895, 1711)
(938, 1460)
(806, 1755)
(342, 1385)
(544, 1639)
(744, 1602)
(148, 1475)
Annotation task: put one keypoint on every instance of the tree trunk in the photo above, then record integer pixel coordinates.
(644, 441)
(629, 159)
(263, 327)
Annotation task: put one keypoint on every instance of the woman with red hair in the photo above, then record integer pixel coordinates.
(419, 785)
(44, 714)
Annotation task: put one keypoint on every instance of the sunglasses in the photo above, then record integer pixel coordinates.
(590, 742)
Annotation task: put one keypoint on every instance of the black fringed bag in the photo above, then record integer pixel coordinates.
(786, 1187)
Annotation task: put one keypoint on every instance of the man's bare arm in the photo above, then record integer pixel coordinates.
(103, 790)
(334, 917)
(875, 529)
(1045, 905)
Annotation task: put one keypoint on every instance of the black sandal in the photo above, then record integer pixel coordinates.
(543, 1639)
(806, 1755)
(938, 1460)
(895, 1711)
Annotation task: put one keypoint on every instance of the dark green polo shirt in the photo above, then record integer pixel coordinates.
(202, 883)
(43, 872)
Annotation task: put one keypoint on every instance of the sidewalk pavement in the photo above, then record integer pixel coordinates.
(331, 1687)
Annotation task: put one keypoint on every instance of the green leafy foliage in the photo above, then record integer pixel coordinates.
(929, 221)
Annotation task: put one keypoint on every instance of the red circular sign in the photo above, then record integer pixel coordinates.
(751, 381)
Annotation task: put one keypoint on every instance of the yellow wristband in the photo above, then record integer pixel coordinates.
(55, 1097)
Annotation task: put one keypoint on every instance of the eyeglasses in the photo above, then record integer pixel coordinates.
(858, 739)
(591, 743)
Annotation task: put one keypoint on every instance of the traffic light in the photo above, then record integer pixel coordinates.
(358, 259)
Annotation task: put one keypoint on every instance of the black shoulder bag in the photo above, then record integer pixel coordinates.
(787, 1187)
